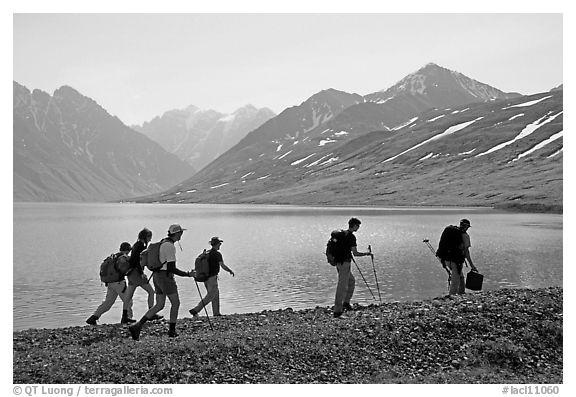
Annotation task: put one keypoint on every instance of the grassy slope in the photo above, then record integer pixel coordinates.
(503, 336)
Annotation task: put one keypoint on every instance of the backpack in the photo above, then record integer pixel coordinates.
(450, 245)
(150, 257)
(109, 271)
(202, 266)
(335, 248)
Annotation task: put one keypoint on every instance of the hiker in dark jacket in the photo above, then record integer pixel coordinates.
(212, 291)
(346, 281)
(457, 284)
(164, 284)
(116, 289)
(136, 276)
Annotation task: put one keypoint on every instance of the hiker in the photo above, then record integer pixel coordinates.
(455, 262)
(136, 276)
(216, 262)
(116, 287)
(346, 281)
(165, 284)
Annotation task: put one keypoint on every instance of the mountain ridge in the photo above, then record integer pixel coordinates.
(66, 147)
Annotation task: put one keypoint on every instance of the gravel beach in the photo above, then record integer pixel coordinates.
(500, 336)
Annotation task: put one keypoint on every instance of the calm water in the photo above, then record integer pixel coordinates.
(277, 253)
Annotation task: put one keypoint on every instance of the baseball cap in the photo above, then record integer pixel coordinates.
(465, 222)
(173, 229)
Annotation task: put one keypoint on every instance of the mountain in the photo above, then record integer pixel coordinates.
(199, 136)
(505, 152)
(68, 148)
(282, 155)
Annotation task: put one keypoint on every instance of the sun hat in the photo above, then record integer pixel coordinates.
(173, 229)
(215, 240)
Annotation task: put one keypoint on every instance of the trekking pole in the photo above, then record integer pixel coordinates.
(202, 299)
(427, 242)
(360, 271)
(375, 276)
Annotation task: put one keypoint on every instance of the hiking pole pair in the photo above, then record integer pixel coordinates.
(427, 242)
(365, 282)
(202, 300)
(375, 276)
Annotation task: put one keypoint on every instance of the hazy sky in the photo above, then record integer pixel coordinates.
(137, 66)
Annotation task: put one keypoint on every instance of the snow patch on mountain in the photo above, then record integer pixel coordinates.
(540, 145)
(529, 103)
(516, 116)
(217, 186)
(326, 141)
(405, 124)
(284, 155)
(330, 160)
(317, 161)
(449, 131)
(436, 118)
(302, 160)
(529, 129)
(556, 153)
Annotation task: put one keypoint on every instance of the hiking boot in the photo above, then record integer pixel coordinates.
(347, 307)
(217, 315)
(126, 320)
(92, 320)
(337, 314)
(172, 334)
(135, 331)
(195, 315)
(156, 317)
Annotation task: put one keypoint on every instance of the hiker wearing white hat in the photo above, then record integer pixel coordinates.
(165, 284)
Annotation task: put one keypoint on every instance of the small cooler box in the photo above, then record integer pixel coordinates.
(474, 281)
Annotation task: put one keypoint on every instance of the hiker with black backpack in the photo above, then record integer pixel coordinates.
(112, 273)
(453, 250)
(135, 275)
(164, 283)
(215, 262)
(344, 247)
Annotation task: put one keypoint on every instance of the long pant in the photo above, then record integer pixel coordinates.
(146, 287)
(161, 302)
(212, 295)
(345, 288)
(113, 291)
(457, 283)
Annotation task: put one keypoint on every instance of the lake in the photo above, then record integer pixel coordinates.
(276, 252)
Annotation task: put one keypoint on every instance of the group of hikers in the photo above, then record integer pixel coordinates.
(124, 265)
(341, 249)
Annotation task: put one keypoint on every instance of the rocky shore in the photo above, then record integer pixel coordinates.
(501, 336)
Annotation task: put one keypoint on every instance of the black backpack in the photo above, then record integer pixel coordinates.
(336, 248)
(450, 245)
(202, 266)
(109, 272)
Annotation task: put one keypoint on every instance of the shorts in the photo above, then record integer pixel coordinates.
(136, 279)
(164, 283)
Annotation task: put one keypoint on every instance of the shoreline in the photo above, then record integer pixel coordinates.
(527, 208)
(499, 336)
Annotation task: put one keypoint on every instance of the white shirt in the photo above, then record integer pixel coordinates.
(167, 254)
